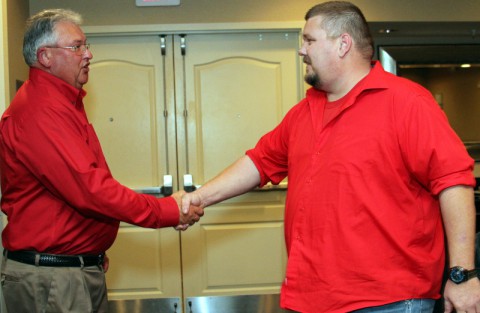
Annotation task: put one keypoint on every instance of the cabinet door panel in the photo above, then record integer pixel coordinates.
(237, 88)
(127, 102)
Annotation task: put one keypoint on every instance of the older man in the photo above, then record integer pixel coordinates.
(62, 203)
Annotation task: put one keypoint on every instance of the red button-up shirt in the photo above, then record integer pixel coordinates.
(57, 190)
(362, 222)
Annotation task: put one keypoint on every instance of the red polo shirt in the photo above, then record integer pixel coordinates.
(57, 190)
(362, 222)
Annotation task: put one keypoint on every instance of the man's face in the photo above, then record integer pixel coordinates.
(72, 67)
(318, 52)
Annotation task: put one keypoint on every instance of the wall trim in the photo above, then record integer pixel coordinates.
(4, 81)
(125, 30)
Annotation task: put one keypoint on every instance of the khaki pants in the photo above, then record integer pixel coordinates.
(39, 289)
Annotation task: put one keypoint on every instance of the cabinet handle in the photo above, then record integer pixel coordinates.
(166, 189)
(188, 185)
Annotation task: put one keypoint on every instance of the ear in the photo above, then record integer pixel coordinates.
(345, 41)
(44, 57)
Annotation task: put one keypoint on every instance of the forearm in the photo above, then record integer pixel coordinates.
(235, 180)
(458, 212)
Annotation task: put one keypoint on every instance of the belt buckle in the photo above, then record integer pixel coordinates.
(101, 259)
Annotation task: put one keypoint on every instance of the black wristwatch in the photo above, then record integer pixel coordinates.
(459, 275)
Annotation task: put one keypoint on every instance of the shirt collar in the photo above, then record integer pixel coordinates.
(74, 95)
(374, 80)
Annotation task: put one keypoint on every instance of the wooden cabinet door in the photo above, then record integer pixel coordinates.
(127, 102)
(233, 88)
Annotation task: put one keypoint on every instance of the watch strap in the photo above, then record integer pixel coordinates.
(471, 274)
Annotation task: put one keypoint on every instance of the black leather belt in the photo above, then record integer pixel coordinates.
(43, 259)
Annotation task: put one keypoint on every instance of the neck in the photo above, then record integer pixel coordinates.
(351, 77)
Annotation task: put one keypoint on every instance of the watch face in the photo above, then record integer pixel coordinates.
(457, 274)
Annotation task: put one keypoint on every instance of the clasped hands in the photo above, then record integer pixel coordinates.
(190, 210)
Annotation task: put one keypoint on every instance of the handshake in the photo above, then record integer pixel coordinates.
(191, 208)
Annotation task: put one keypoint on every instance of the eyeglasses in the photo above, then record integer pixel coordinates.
(78, 49)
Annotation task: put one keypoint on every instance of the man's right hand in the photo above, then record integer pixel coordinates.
(189, 215)
(192, 216)
(189, 205)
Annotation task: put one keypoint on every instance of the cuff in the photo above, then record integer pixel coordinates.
(168, 213)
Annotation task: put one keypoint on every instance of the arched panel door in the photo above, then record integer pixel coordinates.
(236, 88)
(127, 102)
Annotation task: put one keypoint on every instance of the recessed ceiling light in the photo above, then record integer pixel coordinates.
(387, 30)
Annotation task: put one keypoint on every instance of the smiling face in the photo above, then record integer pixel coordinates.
(319, 53)
(70, 66)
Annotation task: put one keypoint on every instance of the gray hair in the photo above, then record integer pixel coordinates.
(344, 17)
(40, 30)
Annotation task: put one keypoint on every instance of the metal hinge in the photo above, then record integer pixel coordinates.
(163, 44)
(183, 44)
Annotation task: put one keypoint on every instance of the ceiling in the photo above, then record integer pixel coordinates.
(425, 29)
(434, 54)
(429, 42)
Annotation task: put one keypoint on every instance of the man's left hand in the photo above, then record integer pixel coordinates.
(464, 297)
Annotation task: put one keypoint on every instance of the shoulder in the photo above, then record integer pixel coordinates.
(396, 84)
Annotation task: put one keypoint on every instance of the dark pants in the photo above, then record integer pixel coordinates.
(40, 289)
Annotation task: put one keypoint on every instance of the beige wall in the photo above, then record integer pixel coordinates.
(124, 12)
(4, 95)
(114, 12)
(17, 13)
(3, 90)
(458, 91)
